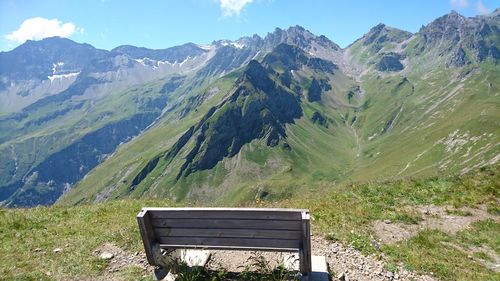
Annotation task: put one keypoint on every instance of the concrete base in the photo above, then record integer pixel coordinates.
(319, 269)
(191, 258)
(319, 266)
(195, 257)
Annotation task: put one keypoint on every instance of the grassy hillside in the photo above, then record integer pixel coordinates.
(388, 125)
(439, 124)
(340, 212)
(43, 137)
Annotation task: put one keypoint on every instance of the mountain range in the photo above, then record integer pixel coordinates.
(254, 118)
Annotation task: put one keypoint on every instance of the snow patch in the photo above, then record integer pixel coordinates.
(256, 54)
(55, 65)
(184, 61)
(238, 45)
(234, 44)
(162, 62)
(205, 47)
(62, 76)
(311, 53)
(141, 61)
(156, 64)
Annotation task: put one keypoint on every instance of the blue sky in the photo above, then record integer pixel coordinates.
(165, 23)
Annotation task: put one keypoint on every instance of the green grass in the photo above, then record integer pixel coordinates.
(430, 251)
(345, 213)
(29, 237)
(339, 212)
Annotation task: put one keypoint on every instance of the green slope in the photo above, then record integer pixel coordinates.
(389, 125)
(35, 141)
(398, 105)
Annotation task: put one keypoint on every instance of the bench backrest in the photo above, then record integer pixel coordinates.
(221, 228)
(225, 228)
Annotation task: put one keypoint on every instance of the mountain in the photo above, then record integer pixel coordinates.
(65, 107)
(252, 118)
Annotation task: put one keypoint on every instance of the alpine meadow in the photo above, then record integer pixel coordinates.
(392, 142)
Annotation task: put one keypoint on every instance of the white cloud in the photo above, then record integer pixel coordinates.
(459, 4)
(39, 28)
(481, 8)
(232, 7)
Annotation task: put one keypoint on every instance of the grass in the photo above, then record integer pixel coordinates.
(346, 213)
(29, 237)
(341, 213)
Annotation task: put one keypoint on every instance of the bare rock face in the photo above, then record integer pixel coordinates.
(314, 91)
(467, 39)
(379, 35)
(318, 118)
(390, 62)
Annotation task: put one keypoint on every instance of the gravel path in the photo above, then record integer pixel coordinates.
(345, 262)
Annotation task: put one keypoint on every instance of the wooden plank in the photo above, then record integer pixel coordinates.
(175, 209)
(147, 234)
(229, 233)
(223, 214)
(201, 242)
(228, 223)
(209, 247)
(305, 251)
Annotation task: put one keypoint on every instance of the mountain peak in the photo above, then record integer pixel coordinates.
(453, 18)
(378, 27)
(495, 13)
(381, 33)
(296, 28)
(54, 41)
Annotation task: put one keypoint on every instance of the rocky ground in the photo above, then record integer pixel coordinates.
(344, 261)
(347, 263)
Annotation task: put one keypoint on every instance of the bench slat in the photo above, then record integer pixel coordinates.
(220, 214)
(200, 242)
(229, 233)
(208, 247)
(228, 224)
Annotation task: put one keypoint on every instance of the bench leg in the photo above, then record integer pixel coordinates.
(164, 260)
(305, 264)
(161, 273)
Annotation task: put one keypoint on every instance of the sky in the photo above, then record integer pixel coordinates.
(159, 24)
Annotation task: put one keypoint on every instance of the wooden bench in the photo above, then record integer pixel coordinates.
(286, 230)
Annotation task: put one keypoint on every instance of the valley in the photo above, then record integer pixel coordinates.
(137, 122)
(392, 142)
